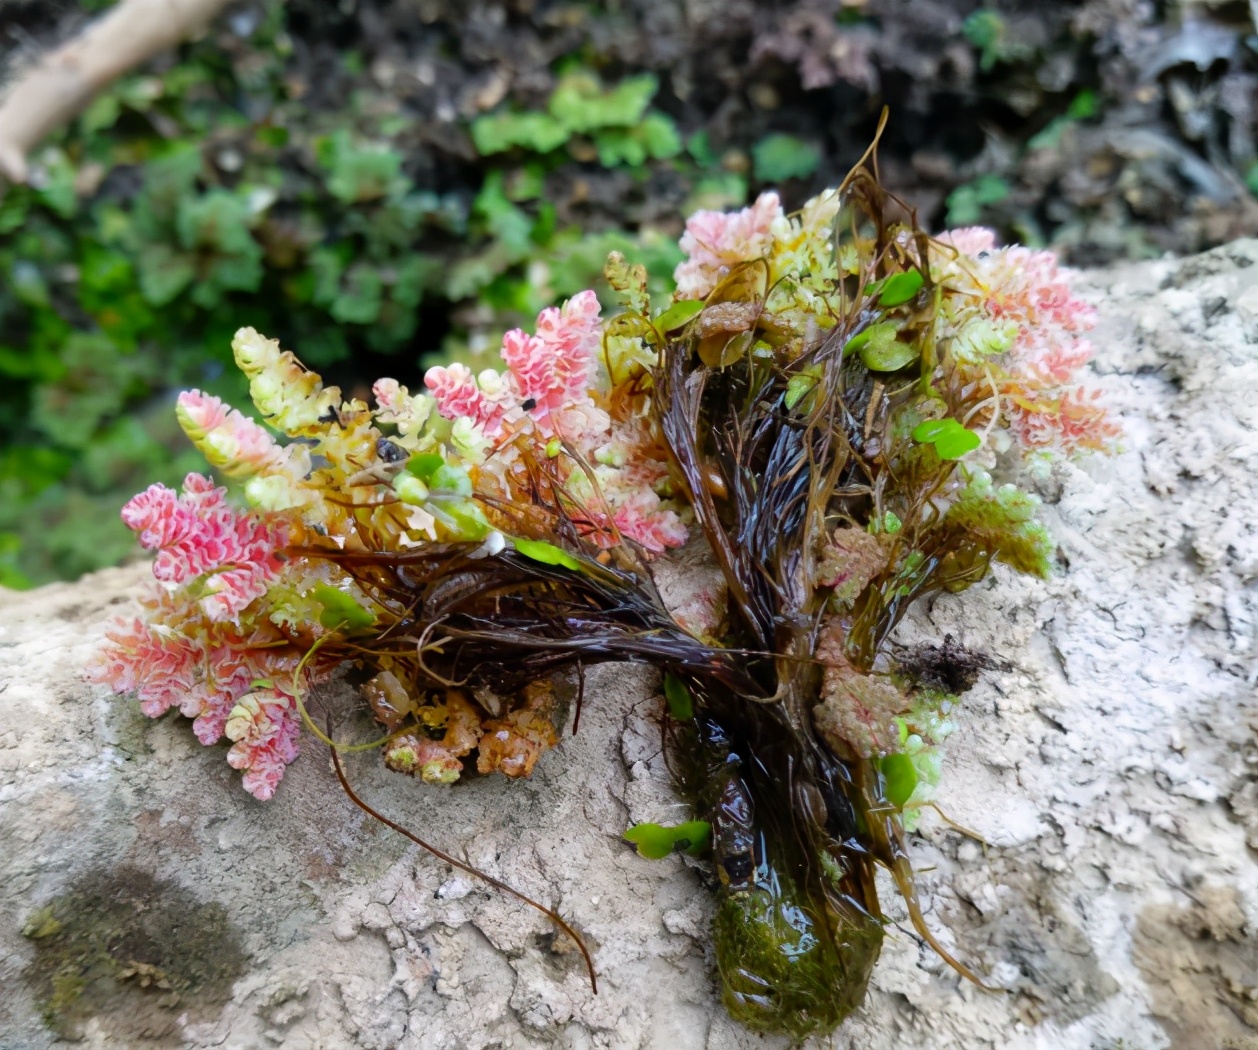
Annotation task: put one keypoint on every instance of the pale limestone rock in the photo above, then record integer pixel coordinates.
(1110, 763)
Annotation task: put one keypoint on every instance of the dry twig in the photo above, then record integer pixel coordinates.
(65, 80)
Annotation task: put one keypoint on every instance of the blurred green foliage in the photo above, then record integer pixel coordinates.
(183, 205)
(991, 36)
(584, 115)
(1251, 178)
(1083, 106)
(967, 202)
(780, 157)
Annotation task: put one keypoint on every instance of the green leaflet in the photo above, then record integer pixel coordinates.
(881, 330)
(498, 132)
(424, 464)
(616, 118)
(899, 778)
(889, 523)
(800, 386)
(967, 202)
(340, 609)
(464, 518)
(443, 491)
(900, 288)
(680, 705)
(451, 481)
(950, 438)
(546, 553)
(656, 136)
(440, 477)
(880, 349)
(581, 103)
(778, 157)
(654, 841)
(678, 314)
(888, 355)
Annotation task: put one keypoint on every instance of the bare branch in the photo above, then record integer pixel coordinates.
(64, 81)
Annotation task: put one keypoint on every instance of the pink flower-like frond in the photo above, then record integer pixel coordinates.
(457, 394)
(160, 665)
(1027, 286)
(232, 442)
(656, 529)
(969, 240)
(264, 726)
(716, 241)
(397, 406)
(198, 533)
(1047, 407)
(390, 396)
(177, 657)
(553, 367)
(1070, 421)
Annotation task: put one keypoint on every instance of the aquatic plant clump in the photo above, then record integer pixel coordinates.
(822, 406)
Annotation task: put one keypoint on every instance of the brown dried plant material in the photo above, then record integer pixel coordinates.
(389, 700)
(849, 560)
(857, 711)
(438, 761)
(950, 668)
(695, 592)
(145, 975)
(513, 744)
(727, 317)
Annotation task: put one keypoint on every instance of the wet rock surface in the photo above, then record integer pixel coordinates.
(1106, 756)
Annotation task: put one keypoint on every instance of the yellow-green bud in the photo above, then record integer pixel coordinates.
(410, 489)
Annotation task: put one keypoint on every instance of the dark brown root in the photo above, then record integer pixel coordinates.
(497, 884)
(576, 718)
(961, 829)
(902, 872)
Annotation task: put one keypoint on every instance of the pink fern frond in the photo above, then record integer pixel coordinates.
(458, 395)
(717, 241)
(232, 442)
(553, 368)
(198, 534)
(264, 726)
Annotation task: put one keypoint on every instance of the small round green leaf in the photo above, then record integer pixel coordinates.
(694, 836)
(340, 609)
(464, 519)
(678, 314)
(874, 333)
(424, 464)
(680, 705)
(899, 777)
(778, 157)
(900, 288)
(888, 356)
(653, 842)
(950, 438)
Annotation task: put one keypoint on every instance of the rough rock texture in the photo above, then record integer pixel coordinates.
(1109, 761)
